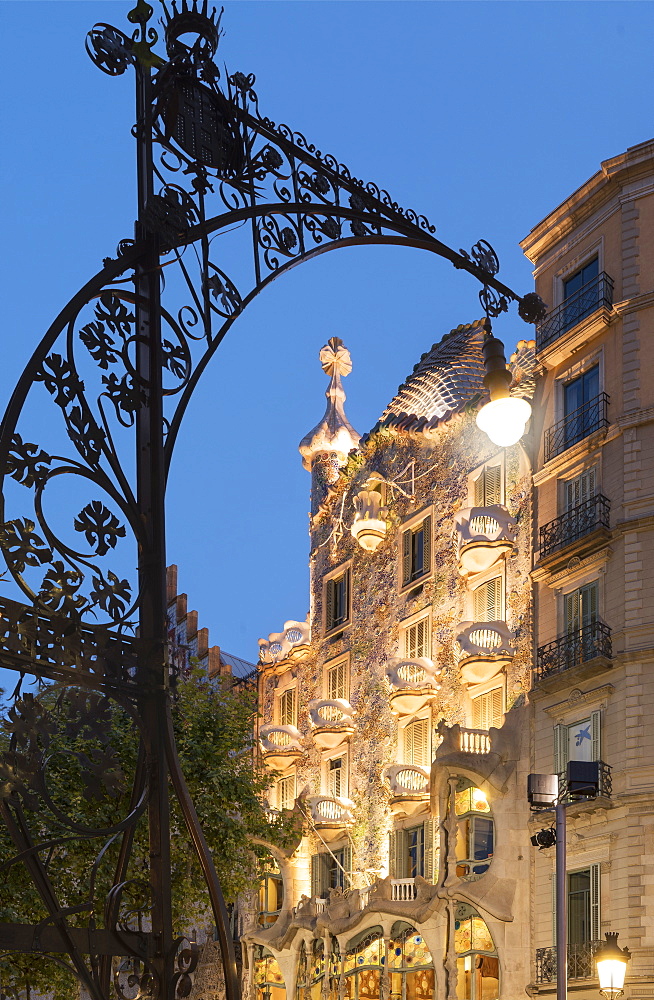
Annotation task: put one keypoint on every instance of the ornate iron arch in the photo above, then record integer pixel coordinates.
(119, 364)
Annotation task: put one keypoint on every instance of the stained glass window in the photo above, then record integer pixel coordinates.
(268, 979)
(410, 964)
(477, 962)
(476, 835)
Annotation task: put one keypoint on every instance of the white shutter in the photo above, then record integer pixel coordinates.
(431, 857)
(571, 612)
(594, 902)
(416, 743)
(488, 601)
(580, 488)
(337, 682)
(487, 710)
(287, 716)
(416, 639)
(561, 749)
(492, 485)
(478, 490)
(596, 747)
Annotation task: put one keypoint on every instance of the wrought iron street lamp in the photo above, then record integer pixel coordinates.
(504, 418)
(218, 182)
(611, 964)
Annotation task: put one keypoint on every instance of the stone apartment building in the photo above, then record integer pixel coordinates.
(476, 614)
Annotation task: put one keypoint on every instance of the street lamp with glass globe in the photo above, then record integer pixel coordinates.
(611, 964)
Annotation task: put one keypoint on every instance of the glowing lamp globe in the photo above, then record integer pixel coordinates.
(504, 420)
(611, 967)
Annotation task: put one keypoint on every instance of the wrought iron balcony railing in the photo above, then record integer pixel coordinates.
(605, 781)
(572, 649)
(574, 524)
(591, 296)
(576, 426)
(580, 962)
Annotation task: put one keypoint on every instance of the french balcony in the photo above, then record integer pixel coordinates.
(575, 426)
(594, 295)
(409, 787)
(330, 815)
(474, 741)
(414, 684)
(580, 962)
(605, 783)
(280, 746)
(590, 643)
(484, 536)
(589, 518)
(403, 890)
(485, 650)
(332, 722)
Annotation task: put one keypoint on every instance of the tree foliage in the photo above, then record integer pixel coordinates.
(87, 748)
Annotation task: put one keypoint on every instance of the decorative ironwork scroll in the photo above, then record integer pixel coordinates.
(217, 182)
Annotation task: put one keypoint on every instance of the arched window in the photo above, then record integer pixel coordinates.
(363, 963)
(477, 963)
(410, 964)
(268, 979)
(271, 894)
(476, 838)
(317, 968)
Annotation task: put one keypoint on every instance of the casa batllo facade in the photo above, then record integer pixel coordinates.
(396, 716)
(476, 614)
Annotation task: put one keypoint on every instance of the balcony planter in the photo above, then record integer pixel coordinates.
(484, 536)
(413, 683)
(331, 816)
(485, 650)
(409, 787)
(280, 746)
(331, 722)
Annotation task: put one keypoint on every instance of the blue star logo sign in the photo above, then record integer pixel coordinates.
(583, 734)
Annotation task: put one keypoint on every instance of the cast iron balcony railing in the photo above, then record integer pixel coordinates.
(580, 962)
(590, 297)
(577, 522)
(605, 782)
(576, 426)
(572, 649)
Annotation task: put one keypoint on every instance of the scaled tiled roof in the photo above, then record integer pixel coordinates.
(448, 376)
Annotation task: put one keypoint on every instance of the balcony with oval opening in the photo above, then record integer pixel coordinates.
(280, 746)
(484, 536)
(413, 684)
(331, 722)
(409, 787)
(330, 815)
(485, 650)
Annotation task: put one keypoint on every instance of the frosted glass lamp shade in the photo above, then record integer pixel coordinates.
(504, 420)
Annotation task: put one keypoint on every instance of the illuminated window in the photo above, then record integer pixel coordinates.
(413, 851)
(477, 963)
(410, 964)
(271, 895)
(487, 709)
(268, 979)
(416, 639)
(287, 708)
(336, 686)
(476, 832)
(415, 743)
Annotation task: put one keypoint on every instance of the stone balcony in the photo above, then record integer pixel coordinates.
(331, 722)
(485, 650)
(484, 536)
(413, 684)
(330, 815)
(292, 643)
(280, 746)
(474, 741)
(410, 785)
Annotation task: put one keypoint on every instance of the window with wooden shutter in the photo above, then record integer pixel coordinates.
(286, 792)
(580, 608)
(487, 600)
(416, 639)
(397, 853)
(416, 743)
(337, 777)
(416, 551)
(488, 486)
(337, 601)
(337, 681)
(320, 873)
(580, 489)
(584, 916)
(430, 834)
(487, 709)
(577, 741)
(287, 708)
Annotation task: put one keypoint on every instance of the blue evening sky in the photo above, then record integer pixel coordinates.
(483, 116)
